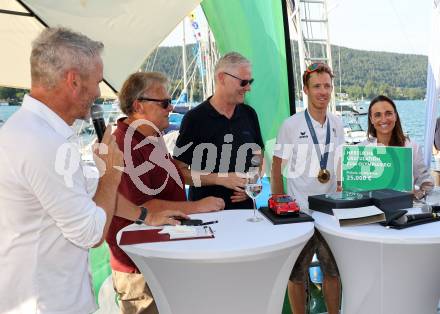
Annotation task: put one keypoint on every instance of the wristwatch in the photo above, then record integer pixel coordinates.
(142, 216)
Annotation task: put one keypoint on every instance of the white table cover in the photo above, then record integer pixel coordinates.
(244, 269)
(385, 271)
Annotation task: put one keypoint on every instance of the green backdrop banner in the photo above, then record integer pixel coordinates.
(255, 29)
(102, 280)
(376, 167)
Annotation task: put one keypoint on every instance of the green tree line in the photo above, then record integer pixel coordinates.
(366, 74)
(359, 73)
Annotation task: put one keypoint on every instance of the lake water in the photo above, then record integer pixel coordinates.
(7, 111)
(412, 116)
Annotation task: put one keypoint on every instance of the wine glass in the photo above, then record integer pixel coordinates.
(253, 188)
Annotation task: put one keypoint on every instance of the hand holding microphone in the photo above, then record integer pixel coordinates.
(108, 158)
(97, 115)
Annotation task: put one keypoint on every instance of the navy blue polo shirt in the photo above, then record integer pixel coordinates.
(218, 144)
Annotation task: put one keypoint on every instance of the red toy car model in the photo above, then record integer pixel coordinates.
(282, 204)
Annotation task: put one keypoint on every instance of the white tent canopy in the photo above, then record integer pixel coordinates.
(129, 29)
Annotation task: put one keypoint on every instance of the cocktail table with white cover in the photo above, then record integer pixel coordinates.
(385, 271)
(244, 269)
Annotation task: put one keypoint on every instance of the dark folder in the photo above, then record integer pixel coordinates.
(152, 235)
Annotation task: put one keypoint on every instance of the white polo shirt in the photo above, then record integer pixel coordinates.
(295, 145)
(47, 217)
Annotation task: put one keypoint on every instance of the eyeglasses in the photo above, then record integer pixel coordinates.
(163, 103)
(314, 66)
(243, 83)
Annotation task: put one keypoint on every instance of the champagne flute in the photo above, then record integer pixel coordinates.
(253, 188)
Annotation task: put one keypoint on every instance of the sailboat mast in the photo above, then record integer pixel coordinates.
(301, 48)
(340, 73)
(329, 54)
(184, 66)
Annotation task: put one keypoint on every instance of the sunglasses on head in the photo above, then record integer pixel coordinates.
(314, 66)
(243, 83)
(163, 103)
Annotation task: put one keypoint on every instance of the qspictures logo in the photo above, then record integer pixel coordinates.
(206, 158)
(159, 157)
(68, 160)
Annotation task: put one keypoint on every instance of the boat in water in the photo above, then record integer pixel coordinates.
(353, 131)
(181, 108)
(351, 107)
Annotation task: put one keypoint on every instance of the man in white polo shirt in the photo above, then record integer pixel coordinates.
(305, 154)
(48, 218)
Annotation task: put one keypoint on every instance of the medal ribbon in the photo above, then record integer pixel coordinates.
(323, 158)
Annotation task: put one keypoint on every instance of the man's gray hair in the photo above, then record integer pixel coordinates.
(57, 50)
(230, 61)
(137, 84)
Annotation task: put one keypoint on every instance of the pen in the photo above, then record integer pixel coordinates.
(209, 223)
(212, 231)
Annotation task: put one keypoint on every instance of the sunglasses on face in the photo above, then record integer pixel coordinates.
(243, 83)
(163, 103)
(314, 66)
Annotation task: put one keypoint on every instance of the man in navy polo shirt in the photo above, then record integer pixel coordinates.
(219, 137)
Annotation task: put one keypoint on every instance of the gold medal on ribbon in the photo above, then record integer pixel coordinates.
(323, 176)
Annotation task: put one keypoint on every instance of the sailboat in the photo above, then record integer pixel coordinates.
(353, 131)
(351, 107)
(200, 68)
(181, 105)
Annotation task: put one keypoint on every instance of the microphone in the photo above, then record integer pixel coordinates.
(97, 115)
(413, 217)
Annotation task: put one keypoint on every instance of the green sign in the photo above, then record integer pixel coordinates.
(376, 167)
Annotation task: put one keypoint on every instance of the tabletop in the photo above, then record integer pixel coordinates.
(426, 233)
(234, 237)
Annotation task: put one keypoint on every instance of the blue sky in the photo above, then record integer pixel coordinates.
(401, 26)
(382, 25)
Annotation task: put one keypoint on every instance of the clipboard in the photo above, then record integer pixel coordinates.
(153, 235)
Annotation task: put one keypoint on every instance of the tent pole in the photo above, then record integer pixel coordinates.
(15, 13)
(31, 13)
(290, 79)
